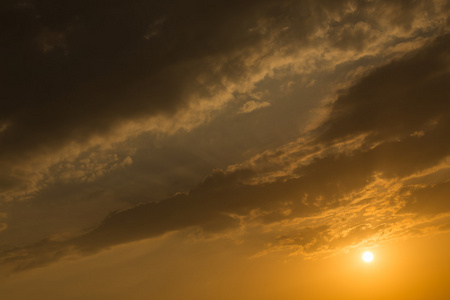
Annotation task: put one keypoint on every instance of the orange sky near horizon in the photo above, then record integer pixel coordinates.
(171, 269)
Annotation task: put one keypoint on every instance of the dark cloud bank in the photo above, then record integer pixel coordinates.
(402, 108)
(74, 69)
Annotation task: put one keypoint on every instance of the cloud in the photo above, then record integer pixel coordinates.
(80, 72)
(431, 200)
(340, 187)
(404, 97)
(250, 106)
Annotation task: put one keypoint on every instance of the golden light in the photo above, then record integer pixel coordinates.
(367, 256)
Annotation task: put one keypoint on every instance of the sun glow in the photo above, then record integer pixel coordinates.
(367, 256)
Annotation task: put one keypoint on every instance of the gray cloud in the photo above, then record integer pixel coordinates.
(430, 200)
(404, 97)
(97, 69)
(76, 74)
(100, 68)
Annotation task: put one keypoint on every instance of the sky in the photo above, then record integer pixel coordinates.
(224, 149)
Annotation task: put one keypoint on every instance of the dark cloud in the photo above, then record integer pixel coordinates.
(89, 58)
(213, 207)
(404, 97)
(72, 69)
(107, 71)
(429, 200)
(216, 205)
(76, 68)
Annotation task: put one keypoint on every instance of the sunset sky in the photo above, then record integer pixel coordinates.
(197, 150)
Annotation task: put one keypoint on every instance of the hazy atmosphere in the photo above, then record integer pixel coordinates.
(224, 149)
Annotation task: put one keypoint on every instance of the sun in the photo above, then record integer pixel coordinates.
(367, 256)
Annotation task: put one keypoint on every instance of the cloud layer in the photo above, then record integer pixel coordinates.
(375, 169)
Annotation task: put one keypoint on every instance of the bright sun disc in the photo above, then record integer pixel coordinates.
(367, 256)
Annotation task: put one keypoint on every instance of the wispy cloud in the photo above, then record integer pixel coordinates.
(251, 105)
